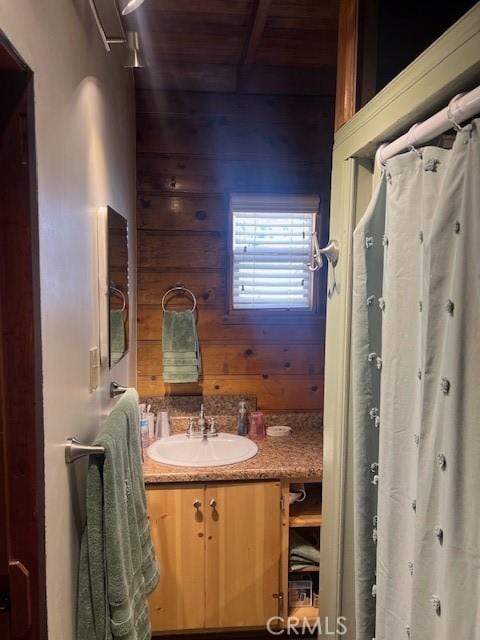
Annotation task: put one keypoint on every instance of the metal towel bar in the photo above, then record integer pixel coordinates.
(116, 389)
(74, 450)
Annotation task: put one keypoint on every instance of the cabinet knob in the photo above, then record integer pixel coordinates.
(213, 505)
(198, 511)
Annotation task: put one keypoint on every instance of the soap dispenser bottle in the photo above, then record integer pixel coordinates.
(242, 418)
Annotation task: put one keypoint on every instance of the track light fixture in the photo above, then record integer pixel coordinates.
(134, 59)
(130, 38)
(127, 6)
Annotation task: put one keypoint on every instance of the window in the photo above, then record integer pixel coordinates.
(271, 248)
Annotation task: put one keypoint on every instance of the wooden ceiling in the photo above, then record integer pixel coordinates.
(251, 46)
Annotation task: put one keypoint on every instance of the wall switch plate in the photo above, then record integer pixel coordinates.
(94, 369)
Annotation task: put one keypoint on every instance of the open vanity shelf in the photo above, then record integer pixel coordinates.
(309, 512)
(304, 517)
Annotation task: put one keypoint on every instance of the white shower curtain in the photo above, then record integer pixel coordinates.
(427, 584)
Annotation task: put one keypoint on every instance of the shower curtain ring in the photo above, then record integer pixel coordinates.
(450, 116)
(410, 143)
(381, 162)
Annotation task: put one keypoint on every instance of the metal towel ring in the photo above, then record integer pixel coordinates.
(119, 292)
(179, 290)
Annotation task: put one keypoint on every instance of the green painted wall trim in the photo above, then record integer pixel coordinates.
(448, 66)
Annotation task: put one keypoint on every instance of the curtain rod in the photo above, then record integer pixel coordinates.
(462, 107)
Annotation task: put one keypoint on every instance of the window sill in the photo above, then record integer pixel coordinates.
(270, 316)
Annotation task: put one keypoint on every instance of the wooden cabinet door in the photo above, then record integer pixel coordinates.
(177, 521)
(243, 549)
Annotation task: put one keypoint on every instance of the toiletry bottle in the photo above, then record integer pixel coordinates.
(242, 418)
(144, 435)
(201, 420)
(151, 423)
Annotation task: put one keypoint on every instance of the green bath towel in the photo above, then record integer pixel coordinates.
(117, 563)
(181, 352)
(302, 554)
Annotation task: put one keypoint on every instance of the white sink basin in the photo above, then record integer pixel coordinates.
(181, 451)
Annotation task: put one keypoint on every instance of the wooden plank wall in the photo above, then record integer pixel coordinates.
(194, 150)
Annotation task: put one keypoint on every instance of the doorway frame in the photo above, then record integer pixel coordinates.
(23, 477)
(450, 65)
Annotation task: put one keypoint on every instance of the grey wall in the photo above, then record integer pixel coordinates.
(85, 152)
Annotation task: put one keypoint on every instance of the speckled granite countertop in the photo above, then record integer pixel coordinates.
(297, 456)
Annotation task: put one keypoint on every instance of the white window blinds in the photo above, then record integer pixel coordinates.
(271, 248)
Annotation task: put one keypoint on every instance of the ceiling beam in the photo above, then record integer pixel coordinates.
(257, 25)
(262, 79)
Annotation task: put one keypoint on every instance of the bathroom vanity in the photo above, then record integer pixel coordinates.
(221, 536)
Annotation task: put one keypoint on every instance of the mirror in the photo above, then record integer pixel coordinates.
(117, 286)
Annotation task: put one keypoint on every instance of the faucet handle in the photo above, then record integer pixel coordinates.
(190, 427)
(212, 431)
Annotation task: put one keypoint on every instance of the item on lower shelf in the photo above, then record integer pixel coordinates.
(302, 554)
(300, 593)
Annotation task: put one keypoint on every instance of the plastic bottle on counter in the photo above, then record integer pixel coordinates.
(144, 435)
(242, 428)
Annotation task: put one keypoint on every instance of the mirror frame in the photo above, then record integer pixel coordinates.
(112, 214)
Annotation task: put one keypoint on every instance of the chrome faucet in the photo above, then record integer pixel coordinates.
(201, 420)
(190, 429)
(209, 429)
(204, 429)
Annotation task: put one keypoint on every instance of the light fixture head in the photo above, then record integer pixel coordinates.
(127, 6)
(134, 59)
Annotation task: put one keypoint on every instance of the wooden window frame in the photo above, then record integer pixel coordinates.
(267, 316)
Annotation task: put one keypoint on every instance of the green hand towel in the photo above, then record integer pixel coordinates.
(181, 352)
(117, 563)
(179, 331)
(178, 375)
(180, 359)
(117, 335)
